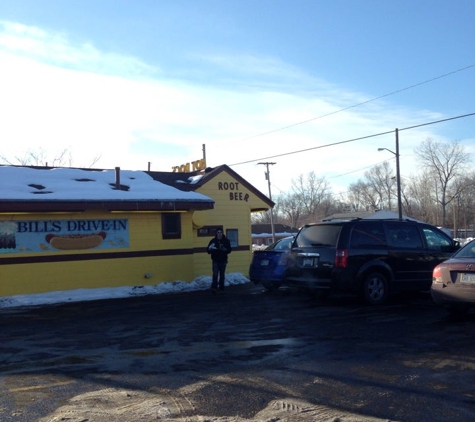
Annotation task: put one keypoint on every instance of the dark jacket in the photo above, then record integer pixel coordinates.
(219, 249)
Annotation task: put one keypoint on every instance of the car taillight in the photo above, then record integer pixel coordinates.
(341, 258)
(437, 275)
(283, 259)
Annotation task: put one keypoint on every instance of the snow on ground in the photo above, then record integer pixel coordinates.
(463, 242)
(81, 295)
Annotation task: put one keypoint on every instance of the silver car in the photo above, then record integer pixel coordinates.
(453, 281)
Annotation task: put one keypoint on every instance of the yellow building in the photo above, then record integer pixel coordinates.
(64, 229)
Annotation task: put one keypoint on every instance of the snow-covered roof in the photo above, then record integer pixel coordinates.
(33, 185)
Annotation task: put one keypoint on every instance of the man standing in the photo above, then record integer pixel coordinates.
(219, 247)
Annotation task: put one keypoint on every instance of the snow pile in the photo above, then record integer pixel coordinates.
(82, 295)
(463, 242)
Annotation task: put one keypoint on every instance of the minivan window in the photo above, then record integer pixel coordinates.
(367, 234)
(436, 240)
(403, 235)
(318, 235)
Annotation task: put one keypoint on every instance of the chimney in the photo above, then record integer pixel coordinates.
(117, 178)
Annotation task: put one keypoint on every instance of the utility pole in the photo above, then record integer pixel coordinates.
(267, 173)
(398, 174)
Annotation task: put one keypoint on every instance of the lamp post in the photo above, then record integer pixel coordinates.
(398, 174)
(270, 197)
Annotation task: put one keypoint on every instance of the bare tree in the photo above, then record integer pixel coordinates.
(288, 209)
(446, 161)
(363, 196)
(355, 197)
(260, 217)
(421, 201)
(382, 181)
(313, 196)
(466, 207)
(462, 199)
(62, 158)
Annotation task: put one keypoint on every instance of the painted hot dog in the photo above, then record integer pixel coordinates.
(76, 241)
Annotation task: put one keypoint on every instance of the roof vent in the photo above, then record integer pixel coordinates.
(39, 187)
(117, 185)
(120, 187)
(117, 177)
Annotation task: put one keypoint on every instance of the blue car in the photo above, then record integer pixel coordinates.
(268, 265)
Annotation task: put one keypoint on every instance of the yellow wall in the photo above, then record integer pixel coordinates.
(232, 210)
(120, 270)
(148, 259)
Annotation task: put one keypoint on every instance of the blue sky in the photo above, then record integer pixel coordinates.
(139, 81)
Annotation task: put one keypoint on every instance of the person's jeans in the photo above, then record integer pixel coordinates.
(218, 275)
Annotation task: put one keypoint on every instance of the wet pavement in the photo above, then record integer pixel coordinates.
(246, 355)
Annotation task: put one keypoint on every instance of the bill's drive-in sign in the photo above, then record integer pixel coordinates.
(63, 235)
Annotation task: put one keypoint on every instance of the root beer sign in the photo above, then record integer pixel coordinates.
(63, 235)
(233, 188)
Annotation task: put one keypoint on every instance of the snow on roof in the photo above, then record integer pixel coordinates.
(195, 179)
(68, 184)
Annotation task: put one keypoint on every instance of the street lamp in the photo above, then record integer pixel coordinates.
(398, 174)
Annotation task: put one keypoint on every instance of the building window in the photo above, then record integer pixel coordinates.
(232, 235)
(171, 226)
(207, 231)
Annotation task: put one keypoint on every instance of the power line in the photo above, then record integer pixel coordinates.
(362, 103)
(363, 168)
(353, 140)
(438, 121)
(312, 148)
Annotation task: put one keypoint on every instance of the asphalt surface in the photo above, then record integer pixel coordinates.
(246, 355)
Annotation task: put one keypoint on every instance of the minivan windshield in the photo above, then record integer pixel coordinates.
(318, 235)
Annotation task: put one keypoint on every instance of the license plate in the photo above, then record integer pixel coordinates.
(308, 262)
(264, 263)
(468, 278)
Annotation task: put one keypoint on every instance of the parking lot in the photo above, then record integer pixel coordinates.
(246, 355)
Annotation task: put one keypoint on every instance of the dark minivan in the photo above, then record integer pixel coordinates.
(372, 257)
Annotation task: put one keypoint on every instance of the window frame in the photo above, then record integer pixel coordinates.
(368, 234)
(233, 237)
(166, 223)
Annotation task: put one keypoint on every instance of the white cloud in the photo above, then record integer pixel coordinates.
(58, 94)
(56, 49)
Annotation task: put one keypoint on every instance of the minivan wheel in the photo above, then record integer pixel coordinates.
(375, 288)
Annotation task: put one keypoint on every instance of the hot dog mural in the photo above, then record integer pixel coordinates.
(76, 241)
(63, 235)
